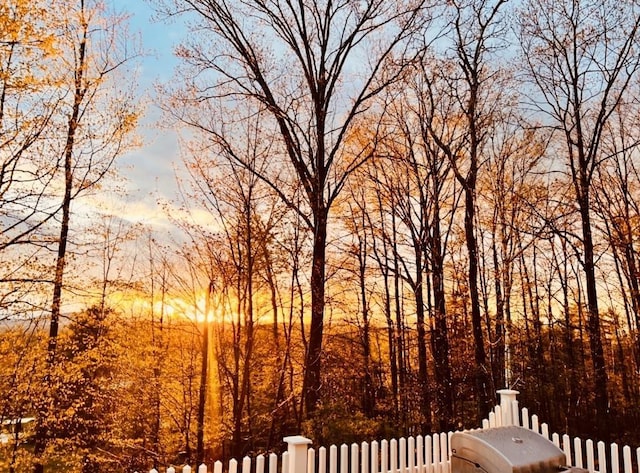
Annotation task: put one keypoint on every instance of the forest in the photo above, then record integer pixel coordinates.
(384, 212)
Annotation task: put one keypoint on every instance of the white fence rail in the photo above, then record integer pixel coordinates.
(423, 454)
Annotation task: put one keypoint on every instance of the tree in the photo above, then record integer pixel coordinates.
(475, 89)
(385, 245)
(84, 390)
(21, 352)
(94, 122)
(29, 99)
(511, 189)
(616, 198)
(311, 81)
(410, 185)
(430, 166)
(581, 60)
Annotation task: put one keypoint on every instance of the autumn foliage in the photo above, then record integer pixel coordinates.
(385, 212)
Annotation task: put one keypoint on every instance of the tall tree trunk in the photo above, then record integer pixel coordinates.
(440, 337)
(204, 375)
(423, 375)
(399, 326)
(42, 433)
(482, 375)
(499, 365)
(593, 324)
(312, 381)
(393, 348)
(368, 401)
(158, 347)
(569, 349)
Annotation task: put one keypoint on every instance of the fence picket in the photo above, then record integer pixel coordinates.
(566, 447)
(355, 454)
(364, 458)
(375, 468)
(285, 463)
(428, 449)
(444, 452)
(311, 460)
(492, 419)
(411, 454)
(555, 438)
(615, 459)
(333, 459)
(577, 447)
(322, 460)
(402, 455)
(602, 458)
(273, 463)
(393, 456)
(217, 467)
(202, 468)
(545, 431)
(344, 458)
(186, 469)
(534, 423)
(590, 456)
(626, 458)
(384, 457)
(498, 414)
(436, 453)
(525, 418)
(420, 454)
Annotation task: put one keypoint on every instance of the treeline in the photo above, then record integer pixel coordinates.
(127, 389)
(388, 211)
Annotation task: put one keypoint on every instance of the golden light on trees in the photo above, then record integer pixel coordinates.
(376, 224)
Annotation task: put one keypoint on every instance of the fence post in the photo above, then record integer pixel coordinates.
(297, 450)
(507, 398)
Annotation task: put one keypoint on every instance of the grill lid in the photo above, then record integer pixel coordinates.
(506, 450)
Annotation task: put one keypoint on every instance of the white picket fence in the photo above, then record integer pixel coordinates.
(422, 454)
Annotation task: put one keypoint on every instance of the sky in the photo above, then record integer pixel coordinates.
(150, 169)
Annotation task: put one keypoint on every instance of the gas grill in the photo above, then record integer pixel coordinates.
(509, 449)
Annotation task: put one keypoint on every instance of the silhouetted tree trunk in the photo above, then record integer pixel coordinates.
(204, 375)
(380, 248)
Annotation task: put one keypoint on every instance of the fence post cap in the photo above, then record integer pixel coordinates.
(507, 395)
(297, 440)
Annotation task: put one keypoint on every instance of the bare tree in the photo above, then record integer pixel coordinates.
(616, 198)
(304, 62)
(511, 187)
(581, 59)
(474, 87)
